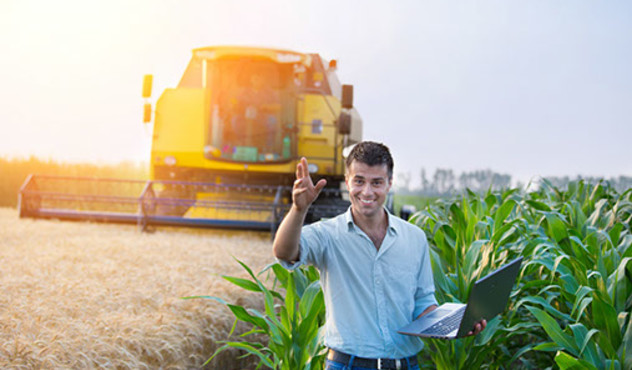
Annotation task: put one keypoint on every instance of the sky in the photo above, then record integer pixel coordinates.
(526, 88)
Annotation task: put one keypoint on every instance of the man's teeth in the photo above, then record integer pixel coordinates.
(366, 201)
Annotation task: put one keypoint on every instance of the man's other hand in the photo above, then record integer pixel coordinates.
(477, 328)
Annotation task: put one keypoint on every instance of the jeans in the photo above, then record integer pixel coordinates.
(330, 365)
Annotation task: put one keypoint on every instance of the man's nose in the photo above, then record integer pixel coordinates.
(366, 189)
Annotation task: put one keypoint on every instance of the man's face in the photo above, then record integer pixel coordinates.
(368, 187)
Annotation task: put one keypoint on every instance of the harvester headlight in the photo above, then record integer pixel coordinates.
(312, 168)
(170, 160)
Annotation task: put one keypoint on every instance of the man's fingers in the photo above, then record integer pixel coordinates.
(320, 185)
(303, 167)
(299, 191)
(478, 327)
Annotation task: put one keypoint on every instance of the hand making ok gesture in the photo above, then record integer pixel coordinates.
(305, 192)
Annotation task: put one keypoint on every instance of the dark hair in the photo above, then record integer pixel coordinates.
(372, 154)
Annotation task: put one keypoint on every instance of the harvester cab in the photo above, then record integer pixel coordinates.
(225, 145)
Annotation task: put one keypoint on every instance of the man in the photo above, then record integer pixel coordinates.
(375, 268)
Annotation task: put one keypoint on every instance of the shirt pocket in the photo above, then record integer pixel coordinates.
(403, 276)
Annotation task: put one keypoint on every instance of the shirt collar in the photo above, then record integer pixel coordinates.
(392, 226)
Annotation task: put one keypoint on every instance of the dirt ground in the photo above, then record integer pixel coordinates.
(84, 295)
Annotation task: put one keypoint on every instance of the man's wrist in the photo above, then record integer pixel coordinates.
(302, 212)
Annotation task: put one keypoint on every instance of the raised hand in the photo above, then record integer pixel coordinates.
(304, 192)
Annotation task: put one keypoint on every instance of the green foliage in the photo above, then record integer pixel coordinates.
(291, 323)
(571, 307)
(572, 304)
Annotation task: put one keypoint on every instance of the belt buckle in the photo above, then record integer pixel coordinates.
(398, 364)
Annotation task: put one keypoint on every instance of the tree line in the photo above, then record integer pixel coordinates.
(443, 182)
(446, 182)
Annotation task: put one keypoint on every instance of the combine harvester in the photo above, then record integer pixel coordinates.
(225, 146)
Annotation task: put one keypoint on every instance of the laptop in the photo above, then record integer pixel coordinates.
(488, 298)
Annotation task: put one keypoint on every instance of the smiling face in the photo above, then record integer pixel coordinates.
(368, 187)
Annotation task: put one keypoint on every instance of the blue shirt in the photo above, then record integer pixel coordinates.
(369, 294)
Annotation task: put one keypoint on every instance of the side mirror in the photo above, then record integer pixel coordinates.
(147, 82)
(344, 123)
(347, 96)
(147, 113)
(333, 64)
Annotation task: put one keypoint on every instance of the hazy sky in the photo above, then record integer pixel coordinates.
(521, 87)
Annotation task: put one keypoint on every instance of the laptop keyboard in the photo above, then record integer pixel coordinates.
(447, 324)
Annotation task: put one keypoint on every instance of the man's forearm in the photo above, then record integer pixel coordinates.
(429, 309)
(287, 238)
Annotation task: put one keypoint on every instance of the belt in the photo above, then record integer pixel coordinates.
(372, 363)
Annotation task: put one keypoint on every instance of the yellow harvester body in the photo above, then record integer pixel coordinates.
(213, 128)
(225, 144)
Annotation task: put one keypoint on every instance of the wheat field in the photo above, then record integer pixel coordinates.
(86, 295)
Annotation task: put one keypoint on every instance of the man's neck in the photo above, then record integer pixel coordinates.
(371, 225)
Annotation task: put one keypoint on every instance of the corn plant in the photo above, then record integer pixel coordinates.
(584, 265)
(469, 237)
(290, 323)
(572, 304)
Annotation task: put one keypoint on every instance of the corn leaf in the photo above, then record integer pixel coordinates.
(622, 283)
(281, 274)
(627, 345)
(605, 319)
(539, 206)
(311, 296)
(556, 227)
(553, 330)
(243, 315)
(290, 301)
(503, 211)
(243, 283)
(568, 362)
(248, 347)
(546, 305)
(493, 326)
(583, 341)
(548, 347)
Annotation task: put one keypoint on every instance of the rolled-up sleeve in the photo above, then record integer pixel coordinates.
(312, 244)
(301, 259)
